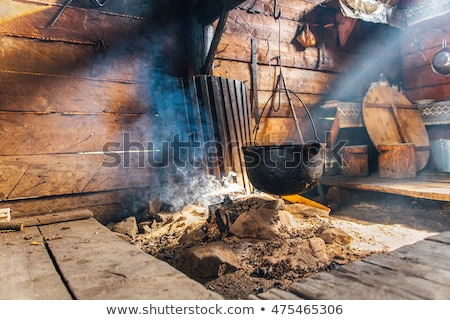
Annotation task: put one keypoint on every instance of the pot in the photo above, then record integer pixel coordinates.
(441, 60)
(285, 169)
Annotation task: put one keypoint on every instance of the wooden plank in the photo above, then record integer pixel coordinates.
(78, 24)
(44, 93)
(107, 206)
(412, 265)
(231, 48)
(406, 187)
(304, 82)
(28, 272)
(65, 59)
(31, 133)
(195, 124)
(429, 253)
(241, 130)
(82, 251)
(230, 124)
(55, 218)
(246, 113)
(376, 276)
(224, 136)
(208, 114)
(328, 286)
(62, 174)
(416, 271)
(209, 60)
(442, 237)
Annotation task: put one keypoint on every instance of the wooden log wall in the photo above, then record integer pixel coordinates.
(419, 44)
(316, 74)
(73, 79)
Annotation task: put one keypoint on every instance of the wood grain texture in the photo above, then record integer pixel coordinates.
(393, 125)
(433, 188)
(41, 93)
(63, 174)
(93, 270)
(28, 272)
(415, 272)
(32, 133)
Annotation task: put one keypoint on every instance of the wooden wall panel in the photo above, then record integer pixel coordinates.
(301, 81)
(419, 80)
(61, 94)
(31, 133)
(233, 47)
(49, 175)
(70, 60)
(326, 71)
(106, 205)
(67, 89)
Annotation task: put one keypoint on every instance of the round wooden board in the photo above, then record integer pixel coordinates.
(390, 118)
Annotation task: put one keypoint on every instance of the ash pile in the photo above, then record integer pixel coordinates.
(258, 237)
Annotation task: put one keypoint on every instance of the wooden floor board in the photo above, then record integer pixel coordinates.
(27, 271)
(425, 186)
(97, 264)
(417, 271)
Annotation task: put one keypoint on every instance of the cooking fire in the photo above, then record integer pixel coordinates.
(239, 244)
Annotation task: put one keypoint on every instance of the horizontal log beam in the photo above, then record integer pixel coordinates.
(62, 174)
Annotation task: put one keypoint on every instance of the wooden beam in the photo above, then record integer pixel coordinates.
(208, 11)
(208, 65)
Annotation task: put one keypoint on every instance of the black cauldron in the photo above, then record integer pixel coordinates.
(284, 169)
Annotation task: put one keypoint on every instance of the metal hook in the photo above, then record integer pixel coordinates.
(276, 14)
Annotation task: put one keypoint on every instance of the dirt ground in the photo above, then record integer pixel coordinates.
(375, 223)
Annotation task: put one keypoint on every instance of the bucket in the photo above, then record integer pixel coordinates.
(355, 161)
(440, 149)
(397, 161)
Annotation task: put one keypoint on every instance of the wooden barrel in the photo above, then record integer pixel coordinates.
(397, 161)
(355, 161)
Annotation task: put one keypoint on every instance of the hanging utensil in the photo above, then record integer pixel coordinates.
(284, 169)
(441, 60)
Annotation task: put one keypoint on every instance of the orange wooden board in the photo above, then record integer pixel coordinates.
(390, 118)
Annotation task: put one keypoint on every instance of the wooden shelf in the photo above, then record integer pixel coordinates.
(427, 185)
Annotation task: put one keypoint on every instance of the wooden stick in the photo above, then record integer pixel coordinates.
(11, 226)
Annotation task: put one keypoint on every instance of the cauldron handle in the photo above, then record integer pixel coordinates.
(258, 120)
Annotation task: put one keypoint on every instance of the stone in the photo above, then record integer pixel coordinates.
(318, 248)
(209, 261)
(127, 227)
(335, 236)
